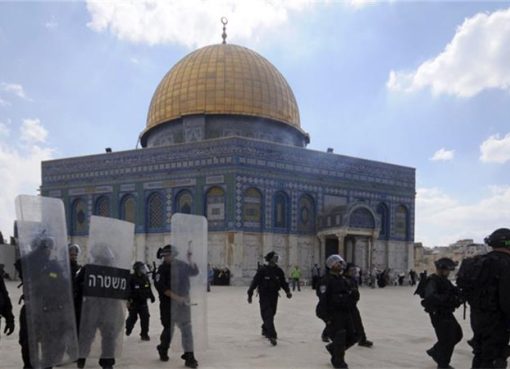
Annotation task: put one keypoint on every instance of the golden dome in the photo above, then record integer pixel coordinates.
(223, 79)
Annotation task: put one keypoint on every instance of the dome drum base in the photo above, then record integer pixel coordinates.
(195, 128)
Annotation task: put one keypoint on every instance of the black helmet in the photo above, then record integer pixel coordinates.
(445, 263)
(499, 238)
(272, 256)
(167, 250)
(140, 267)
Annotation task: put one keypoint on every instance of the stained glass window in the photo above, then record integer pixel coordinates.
(382, 210)
(102, 207)
(215, 207)
(79, 216)
(128, 208)
(280, 210)
(155, 211)
(401, 222)
(252, 212)
(184, 202)
(306, 214)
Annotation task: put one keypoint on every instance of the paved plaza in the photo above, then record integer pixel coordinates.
(393, 319)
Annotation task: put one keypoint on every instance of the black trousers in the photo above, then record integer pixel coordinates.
(342, 331)
(23, 338)
(179, 315)
(268, 305)
(136, 310)
(490, 340)
(449, 333)
(358, 325)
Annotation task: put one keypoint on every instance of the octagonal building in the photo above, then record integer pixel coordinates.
(223, 139)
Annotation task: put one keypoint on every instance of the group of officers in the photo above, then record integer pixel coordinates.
(484, 283)
(173, 298)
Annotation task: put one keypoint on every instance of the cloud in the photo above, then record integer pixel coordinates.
(476, 59)
(32, 131)
(4, 129)
(20, 163)
(495, 150)
(441, 219)
(443, 155)
(15, 89)
(52, 24)
(4, 102)
(191, 23)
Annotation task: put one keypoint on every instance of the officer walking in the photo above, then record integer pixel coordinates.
(337, 301)
(74, 251)
(490, 303)
(174, 302)
(6, 308)
(316, 276)
(441, 300)
(356, 315)
(140, 292)
(269, 279)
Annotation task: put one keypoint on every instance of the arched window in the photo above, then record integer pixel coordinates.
(306, 214)
(402, 222)
(280, 207)
(155, 211)
(382, 211)
(215, 207)
(128, 208)
(184, 202)
(361, 218)
(79, 216)
(102, 206)
(252, 208)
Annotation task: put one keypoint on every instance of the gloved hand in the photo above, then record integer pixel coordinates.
(153, 299)
(9, 327)
(250, 299)
(289, 295)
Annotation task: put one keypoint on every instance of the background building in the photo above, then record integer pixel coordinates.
(224, 139)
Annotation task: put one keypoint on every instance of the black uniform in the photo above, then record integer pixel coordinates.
(269, 279)
(140, 292)
(75, 268)
(179, 272)
(337, 302)
(356, 315)
(48, 277)
(490, 317)
(441, 300)
(6, 307)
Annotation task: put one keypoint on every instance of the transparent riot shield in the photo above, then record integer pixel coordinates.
(105, 287)
(189, 281)
(49, 307)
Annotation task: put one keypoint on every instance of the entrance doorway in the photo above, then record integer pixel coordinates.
(331, 247)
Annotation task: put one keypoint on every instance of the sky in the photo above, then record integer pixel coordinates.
(419, 84)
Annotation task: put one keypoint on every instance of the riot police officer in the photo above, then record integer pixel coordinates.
(174, 302)
(6, 308)
(269, 279)
(490, 304)
(337, 301)
(441, 300)
(140, 292)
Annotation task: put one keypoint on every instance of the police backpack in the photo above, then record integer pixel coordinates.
(476, 284)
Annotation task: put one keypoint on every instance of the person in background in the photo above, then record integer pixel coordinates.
(295, 278)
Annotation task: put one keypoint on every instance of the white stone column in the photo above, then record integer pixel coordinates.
(292, 252)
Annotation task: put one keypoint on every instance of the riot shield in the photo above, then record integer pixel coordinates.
(105, 287)
(189, 281)
(49, 307)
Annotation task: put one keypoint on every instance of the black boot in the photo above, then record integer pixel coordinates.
(80, 363)
(189, 360)
(163, 354)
